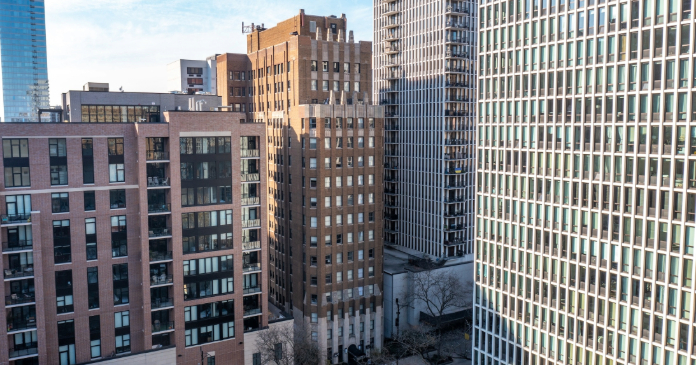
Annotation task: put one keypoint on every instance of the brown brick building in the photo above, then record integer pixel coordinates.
(309, 84)
(118, 238)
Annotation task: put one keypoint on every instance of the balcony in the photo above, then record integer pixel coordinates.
(16, 246)
(251, 245)
(157, 182)
(21, 324)
(251, 200)
(164, 279)
(251, 223)
(251, 305)
(158, 208)
(251, 266)
(250, 153)
(391, 50)
(160, 256)
(159, 232)
(24, 350)
(20, 299)
(159, 303)
(158, 326)
(252, 290)
(15, 219)
(251, 177)
(19, 271)
(157, 155)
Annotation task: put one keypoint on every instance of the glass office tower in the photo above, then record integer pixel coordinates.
(24, 82)
(425, 77)
(586, 183)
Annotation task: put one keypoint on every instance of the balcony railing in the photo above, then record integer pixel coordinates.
(252, 290)
(23, 298)
(251, 245)
(161, 279)
(157, 155)
(251, 266)
(250, 153)
(23, 350)
(17, 246)
(155, 181)
(159, 208)
(162, 326)
(160, 256)
(159, 232)
(252, 200)
(15, 218)
(251, 177)
(250, 311)
(157, 303)
(20, 324)
(251, 223)
(19, 272)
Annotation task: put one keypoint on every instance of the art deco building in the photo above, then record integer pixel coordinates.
(586, 183)
(121, 237)
(310, 87)
(425, 77)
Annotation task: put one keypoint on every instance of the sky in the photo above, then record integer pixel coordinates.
(128, 43)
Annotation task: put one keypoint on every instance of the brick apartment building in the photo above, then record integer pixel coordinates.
(309, 86)
(121, 238)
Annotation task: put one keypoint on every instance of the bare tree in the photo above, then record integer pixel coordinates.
(380, 356)
(437, 293)
(287, 345)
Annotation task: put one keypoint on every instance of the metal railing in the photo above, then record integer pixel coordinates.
(153, 181)
(15, 299)
(251, 267)
(157, 155)
(252, 290)
(251, 223)
(159, 232)
(160, 256)
(161, 279)
(17, 245)
(162, 326)
(250, 153)
(252, 200)
(15, 218)
(19, 272)
(25, 350)
(161, 303)
(251, 177)
(159, 208)
(251, 245)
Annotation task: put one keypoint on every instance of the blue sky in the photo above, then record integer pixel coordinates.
(129, 42)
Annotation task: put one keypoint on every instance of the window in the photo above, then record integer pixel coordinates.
(56, 147)
(66, 350)
(95, 336)
(325, 85)
(314, 85)
(122, 326)
(93, 287)
(120, 279)
(117, 198)
(61, 241)
(314, 66)
(64, 291)
(325, 66)
(87, 161)
(256, 358)
(59, 174)
(115, 146)
(116, 173)
(357, 68)
(89, 201)
(60, 203)
(91, 238)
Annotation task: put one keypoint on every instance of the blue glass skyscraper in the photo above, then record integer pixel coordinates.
(24, 82)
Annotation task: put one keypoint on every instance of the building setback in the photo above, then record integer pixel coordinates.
(193, 76)
(118, 238)
(310, 86)
(586, 183)
(425, 77)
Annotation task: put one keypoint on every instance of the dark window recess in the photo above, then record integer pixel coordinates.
(206, 170)
(93, 287)
(64, 291)
(87, 161)
(157, 148)
(61, 241)
(194, 70)
(117, 198)
(90, 201)
(91, 238)
(66, 333)
(58, 161)
(94, 328)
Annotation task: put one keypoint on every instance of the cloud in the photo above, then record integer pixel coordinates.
(129, 42)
